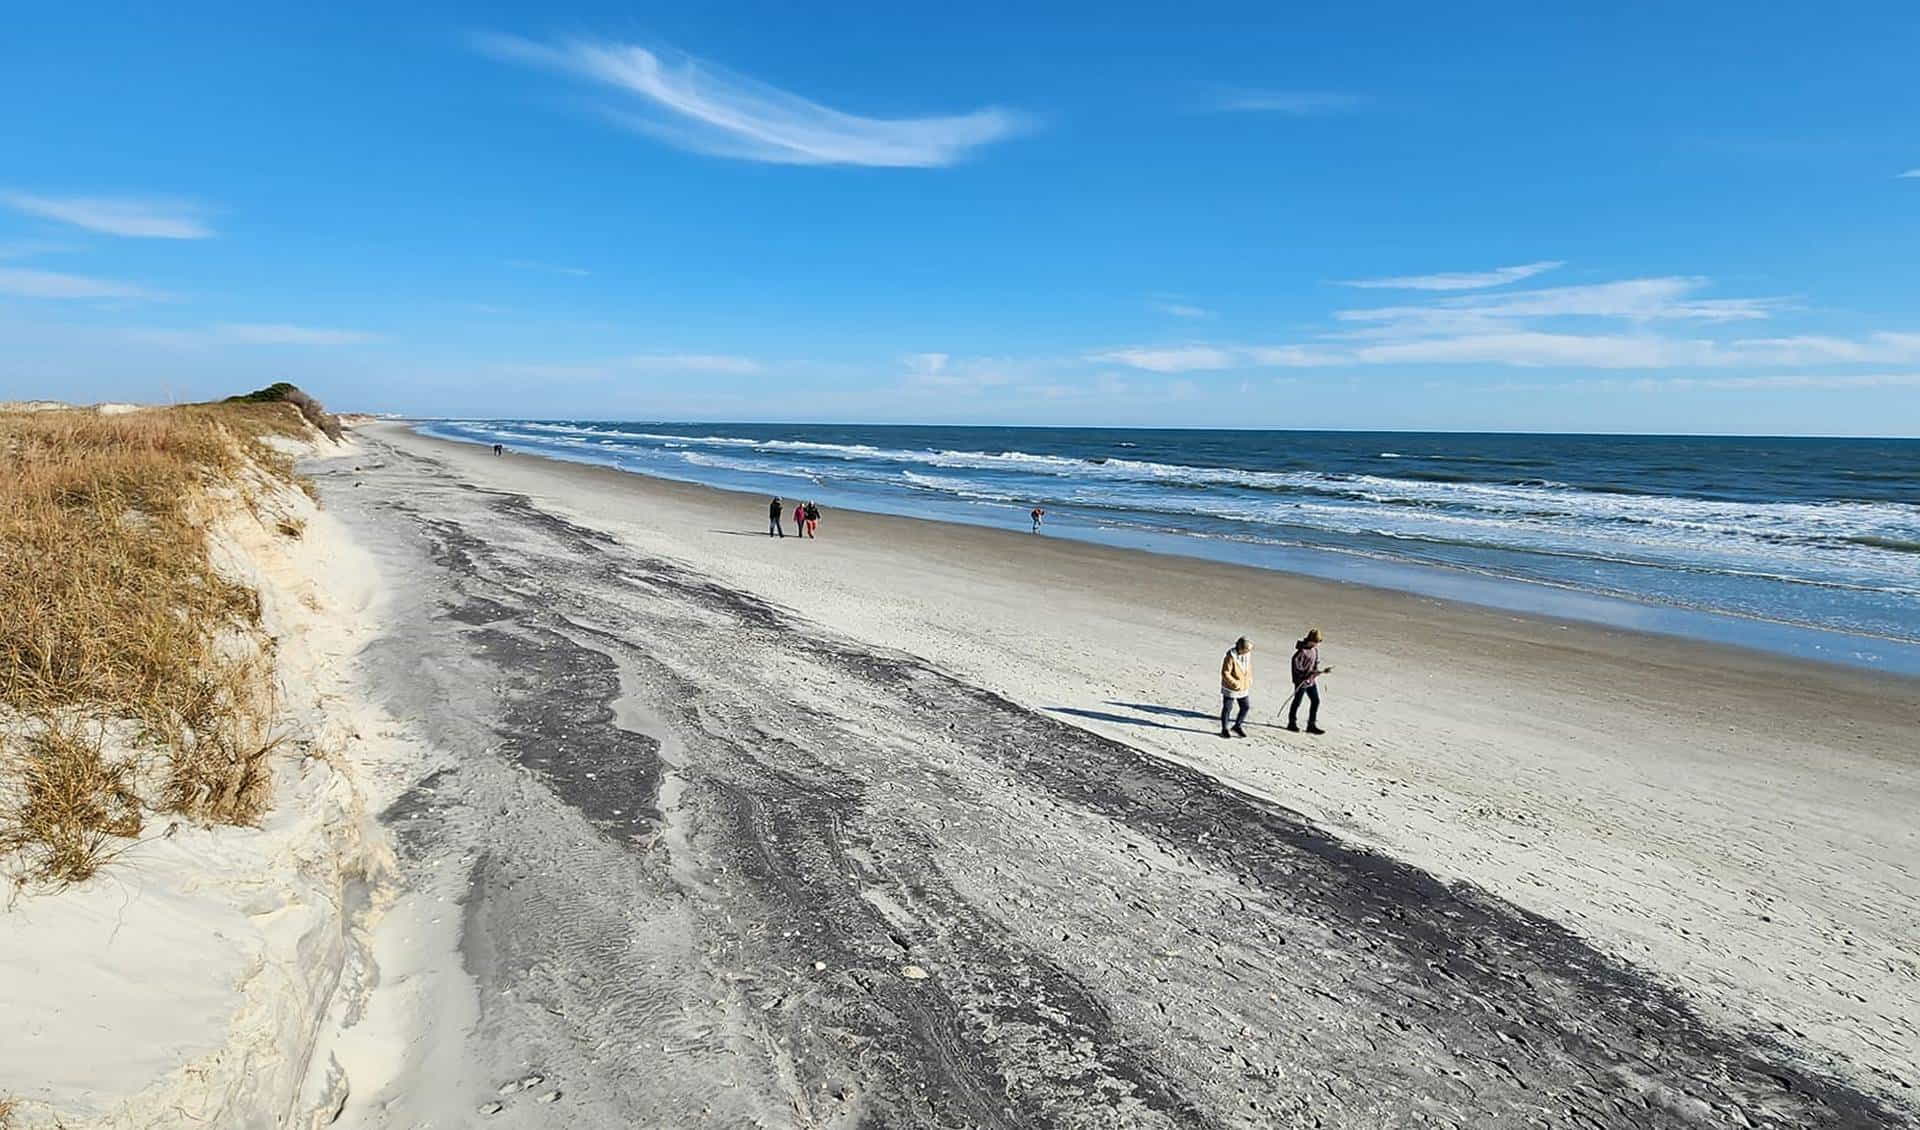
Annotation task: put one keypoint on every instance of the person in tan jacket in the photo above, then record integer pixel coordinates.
(1236, 683)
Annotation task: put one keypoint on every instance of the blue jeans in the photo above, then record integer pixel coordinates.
(1311, 693)
(1226, 708)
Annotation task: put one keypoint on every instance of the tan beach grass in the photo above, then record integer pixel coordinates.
(132, 675)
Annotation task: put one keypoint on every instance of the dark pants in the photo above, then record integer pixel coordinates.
(774, 527)
(1311, 693)
(1226, 708)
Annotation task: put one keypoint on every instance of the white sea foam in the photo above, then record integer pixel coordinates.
(1826, 543)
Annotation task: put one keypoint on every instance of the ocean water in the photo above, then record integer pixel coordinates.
(1802, 545)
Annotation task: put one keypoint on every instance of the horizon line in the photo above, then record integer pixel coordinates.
(405, 417)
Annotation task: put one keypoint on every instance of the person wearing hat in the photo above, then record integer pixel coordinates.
(1306, 680)
(1236, 680)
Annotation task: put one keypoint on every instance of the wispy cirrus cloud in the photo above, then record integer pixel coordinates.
(1910, 174)
(1180, 310)
(1665, 384)
(706, 108)
(1665, 298)
(250, 333)
(1523, 348)
(1614, 325)
(29, 248)
(1877, 348)
(1799, 380)
(22, 282)
(1172, 358)
(1292, 103)
(138, 217)
(1459, 280)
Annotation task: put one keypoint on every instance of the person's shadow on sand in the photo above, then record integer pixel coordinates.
(1147, 708)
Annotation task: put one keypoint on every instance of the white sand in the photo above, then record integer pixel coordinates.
(1740, 825)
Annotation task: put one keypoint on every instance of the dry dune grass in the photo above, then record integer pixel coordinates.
(132, 675)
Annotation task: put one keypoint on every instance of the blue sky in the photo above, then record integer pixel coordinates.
(1624, 217)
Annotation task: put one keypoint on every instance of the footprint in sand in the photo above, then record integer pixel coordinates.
(515, 1086)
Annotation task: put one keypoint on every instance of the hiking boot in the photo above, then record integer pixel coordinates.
(1238, 732)
(1223, 732)
(1294, 726)
(1315, 730)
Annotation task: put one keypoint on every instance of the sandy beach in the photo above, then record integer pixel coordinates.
(918, 824)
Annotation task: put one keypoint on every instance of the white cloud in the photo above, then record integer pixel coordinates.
(1531, 349)
(1909, 175)
(251, 333)
(1810, 349)
(1831, 381)
(1801, 380)
(29, 248)
(117, 215)
(1639, 300)
(926, 366)
(23, 283)
(708, 109)
(1520, 347)
(1296, 356)
(1460, 280)
(942, 372)
(1171, 359)
(1293, 103)
(1180, 310)
(550, 268)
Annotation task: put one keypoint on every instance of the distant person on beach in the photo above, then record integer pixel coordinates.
(499, 449)
(1038, 517)
(812, 512)
(799, 520)
(773, 518)
(1236, 682)
(1306, 682)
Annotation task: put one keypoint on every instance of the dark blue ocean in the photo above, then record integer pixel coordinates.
(1802, 545)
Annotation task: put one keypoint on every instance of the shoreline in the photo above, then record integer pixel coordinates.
(1454, 583)
(1733, 822)
(880, 522)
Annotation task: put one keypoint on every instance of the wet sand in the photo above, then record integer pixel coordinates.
(927, 825)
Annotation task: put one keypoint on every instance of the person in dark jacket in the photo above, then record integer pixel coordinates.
(773, 518)
(1306, 682)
